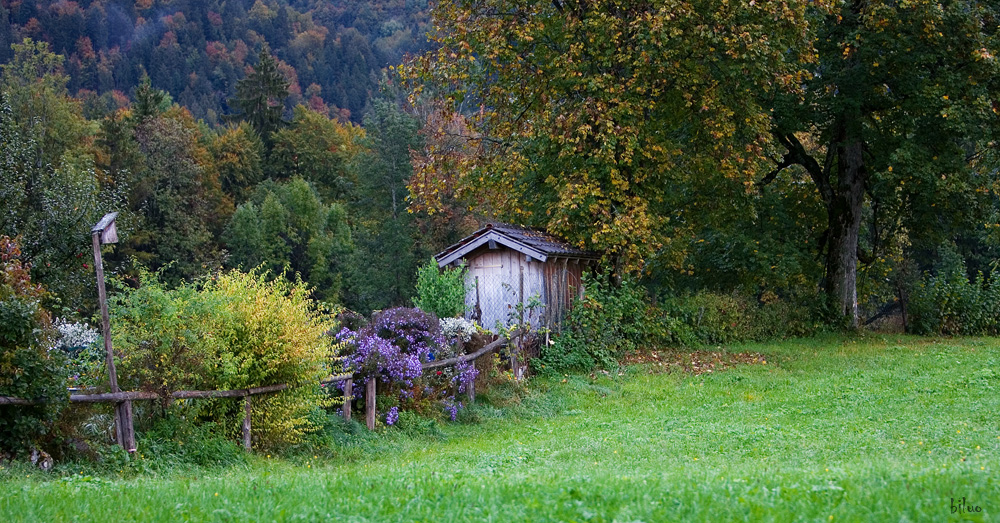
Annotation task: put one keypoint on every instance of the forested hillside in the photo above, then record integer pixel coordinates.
(299, 192)
(196, 50)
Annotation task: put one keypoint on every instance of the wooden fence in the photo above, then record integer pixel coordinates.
(126, 433)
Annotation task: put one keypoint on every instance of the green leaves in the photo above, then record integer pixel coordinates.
(234, 331)
(28, 368)
(317, 149)
(441, 292)
(260, 96)
(588, 114)
(286, 226)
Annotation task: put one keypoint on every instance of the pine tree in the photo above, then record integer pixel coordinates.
(261, 95)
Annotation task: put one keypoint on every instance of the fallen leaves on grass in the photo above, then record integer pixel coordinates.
(697, 362)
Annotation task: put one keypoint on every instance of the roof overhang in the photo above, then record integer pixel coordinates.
(494, 236)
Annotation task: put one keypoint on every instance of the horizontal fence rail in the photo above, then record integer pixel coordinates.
(347, 379)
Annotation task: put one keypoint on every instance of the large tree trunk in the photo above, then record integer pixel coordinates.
(844, 212)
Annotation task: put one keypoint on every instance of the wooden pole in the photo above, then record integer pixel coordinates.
(102, 299)
(123, 411)
(513, 359)
(520, 293)
(370, 404)
(348, 397)
(246, 423)
(470, 357)
(478, 312)
(563, 293)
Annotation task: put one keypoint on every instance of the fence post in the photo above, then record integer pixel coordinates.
(126, 427)
(370, 403)
(512, 349)
(246, 423)
(348, 396)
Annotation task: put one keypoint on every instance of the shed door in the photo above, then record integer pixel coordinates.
(493, 288)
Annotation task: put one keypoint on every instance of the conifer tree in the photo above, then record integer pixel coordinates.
(260, 96)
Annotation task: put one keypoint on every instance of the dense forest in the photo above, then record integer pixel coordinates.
(196, 51)
(295, 193)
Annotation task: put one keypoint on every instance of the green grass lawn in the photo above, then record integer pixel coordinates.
(881, 428)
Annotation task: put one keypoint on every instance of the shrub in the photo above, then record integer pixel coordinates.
(608, 322)
(28, 368)
(392, 348)
(393, 345)
(440, 292)
(233, 331)
(458, 329)
(949, 302)
(708, 318)
(711, 318)
(173, 441)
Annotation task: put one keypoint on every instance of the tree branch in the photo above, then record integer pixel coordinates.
(782, 164)
(798, 155)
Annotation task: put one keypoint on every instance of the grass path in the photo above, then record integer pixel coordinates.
(829, 429)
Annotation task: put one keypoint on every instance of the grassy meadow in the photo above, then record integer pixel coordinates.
(873, 428)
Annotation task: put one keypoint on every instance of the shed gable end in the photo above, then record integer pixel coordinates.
(491, 236)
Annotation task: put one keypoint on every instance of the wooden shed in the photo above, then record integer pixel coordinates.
(510, 265)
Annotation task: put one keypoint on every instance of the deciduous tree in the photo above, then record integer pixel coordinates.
(890, 122)
(583, 115)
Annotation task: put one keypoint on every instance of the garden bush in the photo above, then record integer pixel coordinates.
(608, 322)
(392, 347)
(233, 331)
(440, 292)
(611, 321)
(28, 368)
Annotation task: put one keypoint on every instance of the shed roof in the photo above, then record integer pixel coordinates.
(532, 242)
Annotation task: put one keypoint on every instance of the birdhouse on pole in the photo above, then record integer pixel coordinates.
(106, 229)
(105, 232)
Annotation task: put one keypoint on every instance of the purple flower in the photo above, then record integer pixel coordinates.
(392, 349)
(452, 407)
(465, 375)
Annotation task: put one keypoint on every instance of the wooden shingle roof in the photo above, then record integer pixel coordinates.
(536, 243)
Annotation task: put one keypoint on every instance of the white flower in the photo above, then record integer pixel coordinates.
(458, 328)
(75, 334)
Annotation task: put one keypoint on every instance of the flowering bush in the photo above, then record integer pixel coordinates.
(458, 328)
(394, 345)
(75, 335)
(392, 349)
(86, 355)
(392, 417)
